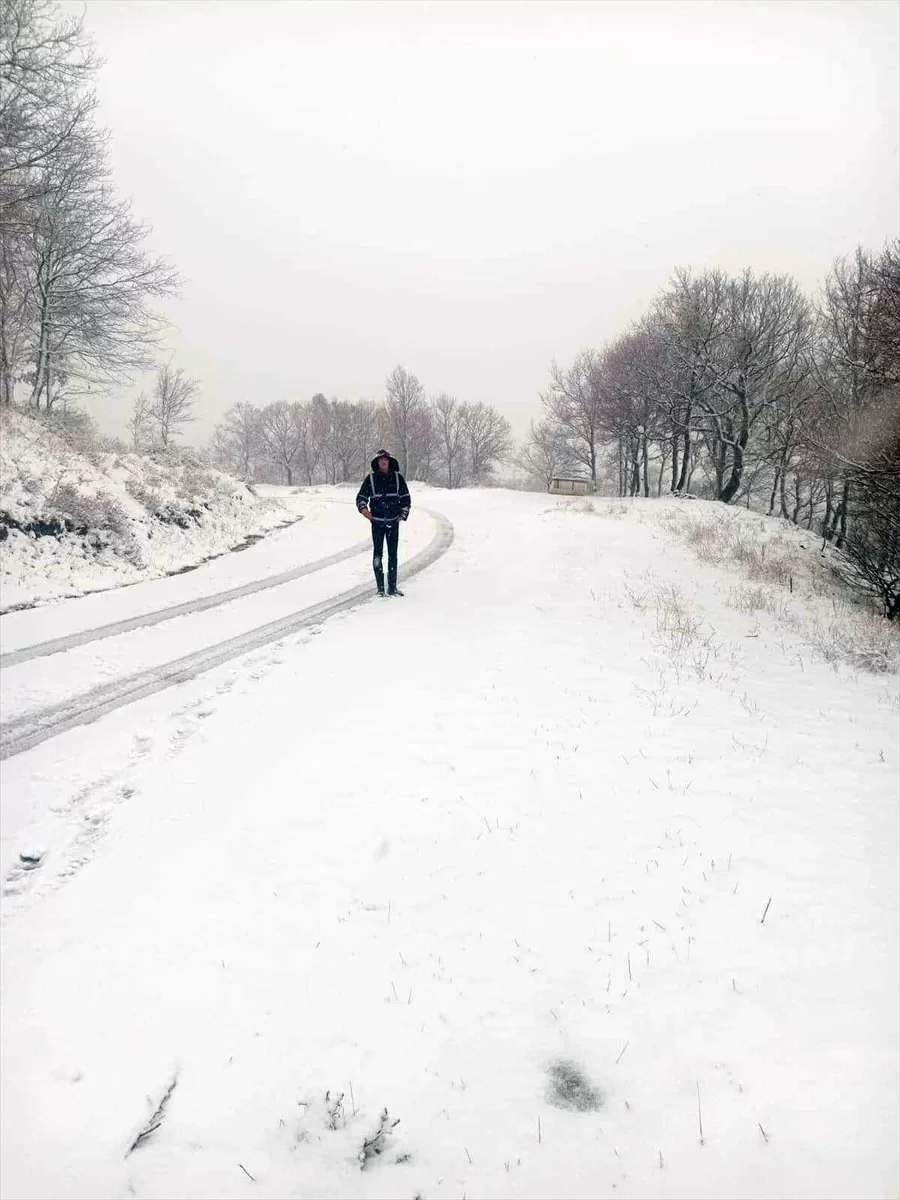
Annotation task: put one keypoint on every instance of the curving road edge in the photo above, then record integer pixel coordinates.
(24, 732)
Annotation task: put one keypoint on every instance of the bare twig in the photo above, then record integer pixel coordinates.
(156, 1119)
(765, 910)
(246, 1172)
(700, 1115)
(763, 1132)
(621, 1052)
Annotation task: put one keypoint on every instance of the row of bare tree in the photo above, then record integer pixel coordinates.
(76, 280)
(435, 439)
(744, 390)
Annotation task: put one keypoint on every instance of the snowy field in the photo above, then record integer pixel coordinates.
(579, 863)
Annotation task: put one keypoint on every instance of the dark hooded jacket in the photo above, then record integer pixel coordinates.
(384, 493)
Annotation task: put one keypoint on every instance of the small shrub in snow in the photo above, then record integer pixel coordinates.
(87, 511)
(334, 1106)
(675, 624)
(375, 1145)
(143, 492)
(754, 599)
(863, 640)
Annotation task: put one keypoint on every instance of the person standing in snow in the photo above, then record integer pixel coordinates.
(384, 501)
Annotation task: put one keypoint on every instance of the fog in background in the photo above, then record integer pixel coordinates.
(473, 189)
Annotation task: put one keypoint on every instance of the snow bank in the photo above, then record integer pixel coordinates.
(76, 518)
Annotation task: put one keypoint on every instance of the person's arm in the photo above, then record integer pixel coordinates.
(405, 502)
(362, 497)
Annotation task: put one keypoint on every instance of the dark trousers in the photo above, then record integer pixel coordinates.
(385, 531)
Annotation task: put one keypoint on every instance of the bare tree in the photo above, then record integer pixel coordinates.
(488, 439)
(14, 313)
(573, 404)
(546, 453)
(141, 423)
(237, 440)
(91, 281)
(47, 64)
(356, 449)
(856, 426)
(172, 404)
(404, 403)
(75, 278)
(46, 113)
(448, 417)
(685, 323)
(283, 429)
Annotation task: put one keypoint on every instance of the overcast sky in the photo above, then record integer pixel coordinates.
(473, 189)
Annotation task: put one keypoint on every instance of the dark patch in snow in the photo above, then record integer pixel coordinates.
(571, 1089)
(54, 527)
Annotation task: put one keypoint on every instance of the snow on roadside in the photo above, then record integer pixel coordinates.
(330, 523)
(553, 860)
(76, 519)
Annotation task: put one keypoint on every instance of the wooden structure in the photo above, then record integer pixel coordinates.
(562, 485)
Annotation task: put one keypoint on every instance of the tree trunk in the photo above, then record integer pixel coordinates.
(40, 362)
(685, 460)
(798, 501)
(783, 495)
(634, 469)
(718, 457)
(737, 462)
(842, 527)
(774, 493)
(829, 510)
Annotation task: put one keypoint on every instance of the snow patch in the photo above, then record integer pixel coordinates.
(77, 518)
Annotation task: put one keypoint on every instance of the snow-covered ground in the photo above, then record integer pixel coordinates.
(76, 519)
(581, 844)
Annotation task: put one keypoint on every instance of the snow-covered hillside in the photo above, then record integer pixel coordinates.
(75, 519)
(579, 863)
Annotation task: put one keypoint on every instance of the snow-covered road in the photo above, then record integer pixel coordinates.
(549, 860)
(74, 685)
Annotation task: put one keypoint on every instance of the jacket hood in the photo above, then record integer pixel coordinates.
(393, 465)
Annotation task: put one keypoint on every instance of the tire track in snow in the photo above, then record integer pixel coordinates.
(71, 640)
(23, 733)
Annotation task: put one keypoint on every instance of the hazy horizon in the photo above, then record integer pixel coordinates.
(474, 189)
